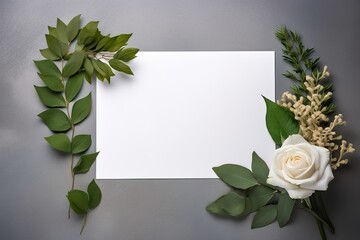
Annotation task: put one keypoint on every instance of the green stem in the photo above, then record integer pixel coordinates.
(72, 135)
(83, 226)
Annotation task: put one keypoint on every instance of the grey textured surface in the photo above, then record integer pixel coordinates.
(34, 179)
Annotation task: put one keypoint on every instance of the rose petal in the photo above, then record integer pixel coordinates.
(275, 180)
(300, 193)
(322, 183)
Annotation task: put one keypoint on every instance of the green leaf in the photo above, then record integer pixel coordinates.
(94, 194)
(72, 28)
(119, 42)
(259, 196)
(79, 201)
(81, 109)
(87, 33)
(85, 162)
(52, 82)
(216, 209)
(236, 176)
(73, 86)
(56, 120)
(89, 68)
(265, 216)
(279, 122)
(100, 45)
(52, 31)
(54, 45)
(259, 168)
(50, 98)
(47, 67)
(126, 54)
(61, 31)
(60, 142)
(232, 203)
(120, 66)
(46, 53)
(102, 68)
(74, 63)
(284, 209)
(80, 143)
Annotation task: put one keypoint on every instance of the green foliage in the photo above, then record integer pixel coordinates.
(265, 216)
(236, 176)
(85, 162)
(259, 168)
(280, 122)
(285, 209)
(90, 57)
(300, 59)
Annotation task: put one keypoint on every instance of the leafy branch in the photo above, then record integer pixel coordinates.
(72, 55)
(302, 63)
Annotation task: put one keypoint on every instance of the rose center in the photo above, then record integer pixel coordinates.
(296, 165)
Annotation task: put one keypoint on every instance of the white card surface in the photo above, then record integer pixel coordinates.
(184, 113)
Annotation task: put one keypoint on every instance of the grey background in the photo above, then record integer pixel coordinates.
(34, 178)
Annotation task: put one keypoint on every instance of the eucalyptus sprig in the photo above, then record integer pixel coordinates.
(72, 55)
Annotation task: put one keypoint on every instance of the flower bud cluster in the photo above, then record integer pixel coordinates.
(315, 125)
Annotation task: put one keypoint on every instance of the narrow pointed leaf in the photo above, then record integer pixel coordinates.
(79, 201)
(72, 28)
(95, 195)
(120, 66)
(85, 162)
(119, 42)
(54, 45)
(279, 122)
(89, 68)
(47, 67)
(46, 53)
(259, 168)
(80, 143)
(56, 120)
(50, 98)
(60, 142)
(100, 45)
(236, 176)
(81, 109)
(87, 33)
(232, 203)
(74, 63)
(73, 86)
(284, 209)
(265, 216)
(61, 31)
(214, 208)
(126, 54)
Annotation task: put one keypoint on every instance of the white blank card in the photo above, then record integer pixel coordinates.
(184, 113)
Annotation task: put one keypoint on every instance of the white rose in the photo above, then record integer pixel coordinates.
(300, 168)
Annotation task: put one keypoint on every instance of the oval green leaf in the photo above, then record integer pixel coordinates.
(52, 82)
(61, 31)
(265, 216)
(79, 201)
(56, 120)
(120, 66)
(74, 64)
(280, 122)
(236, 176)
(232, 203)
(284, 209)
(259, 168)
(94, 194)
(85, 162)
(60, 142)
(47, 67)
(80, 143)
(81, 109)
(54, 45)
(46, 53)
(50, 98)
(89, 68)
(73, 86)
(87, 33)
